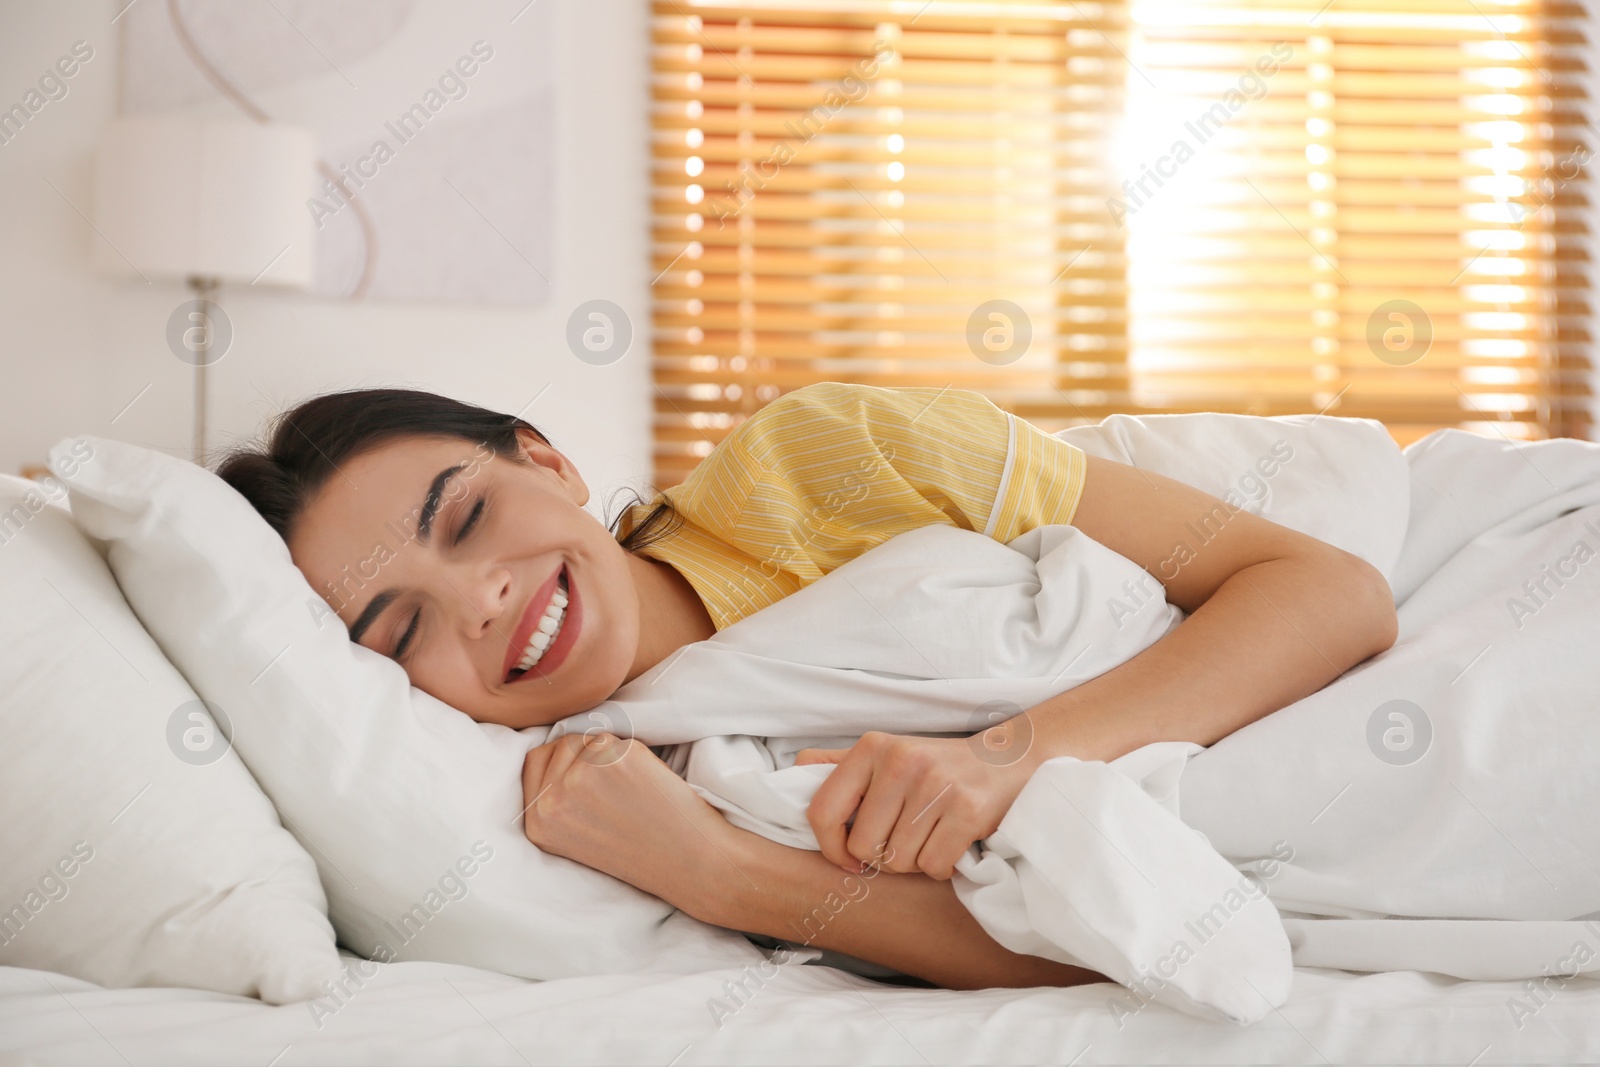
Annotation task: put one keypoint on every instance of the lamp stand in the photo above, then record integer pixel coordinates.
(204, 288)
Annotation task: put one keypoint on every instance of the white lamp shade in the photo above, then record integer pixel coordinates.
(179, 195)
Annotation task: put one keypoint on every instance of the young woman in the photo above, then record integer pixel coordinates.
(455, 540)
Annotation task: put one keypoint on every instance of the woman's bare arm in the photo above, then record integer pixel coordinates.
(910, 922)
(612, 805)
(1273, 616)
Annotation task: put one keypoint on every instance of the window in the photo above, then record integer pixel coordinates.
(1377, 209)
(933, 194)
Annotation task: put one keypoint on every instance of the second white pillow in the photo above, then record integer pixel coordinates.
(137, 849)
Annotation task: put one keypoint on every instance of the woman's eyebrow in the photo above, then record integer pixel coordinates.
(370, 613)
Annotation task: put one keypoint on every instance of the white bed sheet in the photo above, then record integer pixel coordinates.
(445, 1013)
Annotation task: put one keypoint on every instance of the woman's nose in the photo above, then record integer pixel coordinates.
(489, 597)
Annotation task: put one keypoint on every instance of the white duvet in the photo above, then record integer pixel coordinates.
(1431, 810)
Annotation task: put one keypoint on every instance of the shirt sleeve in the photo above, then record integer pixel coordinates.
(863, 460)
(1041, 485)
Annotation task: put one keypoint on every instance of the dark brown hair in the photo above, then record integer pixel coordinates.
(306, 445)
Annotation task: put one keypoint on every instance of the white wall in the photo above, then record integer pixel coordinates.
(76, 348)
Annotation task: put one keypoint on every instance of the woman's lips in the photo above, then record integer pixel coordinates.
(530, 619)
(556, 654)
(571, 623)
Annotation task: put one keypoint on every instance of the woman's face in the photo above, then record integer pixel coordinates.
(444, 556)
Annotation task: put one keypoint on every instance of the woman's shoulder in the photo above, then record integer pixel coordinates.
(796, 421)
(817, 400)
(791, 439)
(833, 413)
(817, 435)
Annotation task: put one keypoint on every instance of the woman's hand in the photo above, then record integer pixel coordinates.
(611, 804)
(928, 798)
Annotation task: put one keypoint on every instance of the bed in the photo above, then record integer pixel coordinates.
(440, 1013)
(1511, 1003)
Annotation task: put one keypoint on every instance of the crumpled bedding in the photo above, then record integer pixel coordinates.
(1431, 809)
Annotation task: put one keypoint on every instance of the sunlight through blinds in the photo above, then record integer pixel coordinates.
(1369, 209)
(1376, 209)
(889, 193)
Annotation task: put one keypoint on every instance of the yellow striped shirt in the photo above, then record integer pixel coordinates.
(826, 472)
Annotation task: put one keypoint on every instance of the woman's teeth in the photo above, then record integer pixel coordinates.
(544, 634)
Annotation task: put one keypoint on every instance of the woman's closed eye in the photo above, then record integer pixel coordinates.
(406, 638)
(471, 520)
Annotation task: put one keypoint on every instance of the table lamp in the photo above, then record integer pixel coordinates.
(207, 200)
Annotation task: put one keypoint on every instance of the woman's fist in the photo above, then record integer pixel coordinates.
(912, 803)
(609, 803)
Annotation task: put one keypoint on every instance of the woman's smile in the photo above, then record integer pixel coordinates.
(553, 611)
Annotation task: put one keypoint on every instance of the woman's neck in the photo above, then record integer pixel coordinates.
(671, 613)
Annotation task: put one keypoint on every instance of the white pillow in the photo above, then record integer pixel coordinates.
(411, 809)
(1300, 471)
(138, 851)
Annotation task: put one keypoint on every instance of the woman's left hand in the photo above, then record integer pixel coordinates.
(611, 804)
(919, 802)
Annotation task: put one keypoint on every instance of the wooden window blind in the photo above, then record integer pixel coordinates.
(932, 194)
(840, 186)
(1391, 223)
